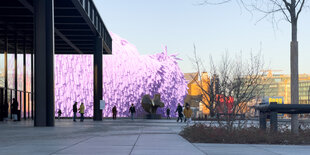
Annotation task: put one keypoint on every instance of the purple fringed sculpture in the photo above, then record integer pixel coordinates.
(127, 77)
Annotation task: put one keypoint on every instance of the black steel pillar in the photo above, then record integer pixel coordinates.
(32, 86)
(44, 63)
(6, 74)
(24, 77)
(98, 79)
(20, 101)
(262, 120)
(28, 105)
(15, 71)
(11, 99)
(1, 104)
(273, 120)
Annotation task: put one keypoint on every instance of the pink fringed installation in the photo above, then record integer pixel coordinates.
(127, 76)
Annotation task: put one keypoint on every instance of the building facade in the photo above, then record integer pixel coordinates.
(279, 85)
(196, 84)
(275, 88)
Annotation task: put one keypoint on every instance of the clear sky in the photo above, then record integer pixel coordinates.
(152, 24)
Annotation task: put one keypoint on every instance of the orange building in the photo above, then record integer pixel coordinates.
(197, 83)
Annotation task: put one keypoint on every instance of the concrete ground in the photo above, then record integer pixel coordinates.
(121, 136)
(253, 149)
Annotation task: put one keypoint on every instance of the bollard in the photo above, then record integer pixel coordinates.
(262, 120)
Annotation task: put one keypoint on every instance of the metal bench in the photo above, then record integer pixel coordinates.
(273, 109)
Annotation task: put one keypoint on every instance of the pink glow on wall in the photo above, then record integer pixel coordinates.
(11, 71)
(127, 76)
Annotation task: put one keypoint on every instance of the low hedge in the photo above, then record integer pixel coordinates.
(202, 133)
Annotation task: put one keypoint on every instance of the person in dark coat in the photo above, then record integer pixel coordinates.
(74, 111)
(132, 111)
(180, 114)
(59, 114)
(15, 109)
(114, 112)
(168, 113)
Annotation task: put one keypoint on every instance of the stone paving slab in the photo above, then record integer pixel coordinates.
(164, 144)
(142, 144)
(286, 149)
(91, 148)
(252, 149)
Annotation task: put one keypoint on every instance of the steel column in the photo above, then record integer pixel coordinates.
(6, 73)
(32, 88)
(262, 120)
(98, 79)
(44, 63)
(20, 102)
(273, 119)
(15, 70)
(24, 77)
(11, 98)
(28, 105)
(1, 104)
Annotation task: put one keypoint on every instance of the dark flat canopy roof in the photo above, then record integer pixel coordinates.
(285, 108)
(77, 23)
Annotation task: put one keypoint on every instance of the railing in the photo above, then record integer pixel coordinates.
(92, 12)
(25, 106)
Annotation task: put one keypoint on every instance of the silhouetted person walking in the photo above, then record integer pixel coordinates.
(114, 112)
(132, 110)
(59, 114)
(81, 109)
(179, 110)
(74, 111)
(15, 109)
(168, 113)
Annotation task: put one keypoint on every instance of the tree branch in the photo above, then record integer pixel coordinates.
(301, 6)
(215, 3)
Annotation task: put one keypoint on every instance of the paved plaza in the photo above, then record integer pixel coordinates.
(122, 136)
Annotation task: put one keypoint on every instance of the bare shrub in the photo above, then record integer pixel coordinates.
(202, 133)
(230, 86)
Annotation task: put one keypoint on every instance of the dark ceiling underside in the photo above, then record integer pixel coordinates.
(72, 33)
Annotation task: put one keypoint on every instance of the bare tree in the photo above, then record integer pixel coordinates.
(291, 11)
(229, 87)
(205, 85)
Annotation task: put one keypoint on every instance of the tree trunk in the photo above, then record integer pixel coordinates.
(294, 75)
